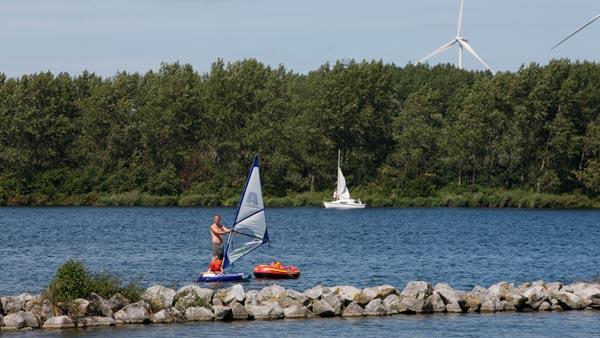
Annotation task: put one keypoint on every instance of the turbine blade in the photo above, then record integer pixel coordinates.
(460, 15)
(577, 31)
(472, 51)
(438, 51)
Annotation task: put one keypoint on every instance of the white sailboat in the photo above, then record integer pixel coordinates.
(341, 196)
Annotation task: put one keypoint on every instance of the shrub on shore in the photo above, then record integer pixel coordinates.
(451, 196)
(73, 280)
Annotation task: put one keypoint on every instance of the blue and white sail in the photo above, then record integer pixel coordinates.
(249, 230)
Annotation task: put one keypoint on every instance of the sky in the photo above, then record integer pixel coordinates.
(107, 36)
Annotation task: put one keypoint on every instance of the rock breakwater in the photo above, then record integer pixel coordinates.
(193, 303)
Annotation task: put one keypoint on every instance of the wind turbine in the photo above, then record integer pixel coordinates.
(461, 41)
(577, 31)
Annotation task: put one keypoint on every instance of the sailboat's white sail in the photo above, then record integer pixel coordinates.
(342, 192)
(249, 230)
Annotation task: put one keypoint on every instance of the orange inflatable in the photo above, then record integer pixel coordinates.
(276, 271)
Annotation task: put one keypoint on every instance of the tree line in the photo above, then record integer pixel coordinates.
(405, 131)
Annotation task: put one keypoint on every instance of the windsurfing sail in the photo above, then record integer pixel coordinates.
(249, 229)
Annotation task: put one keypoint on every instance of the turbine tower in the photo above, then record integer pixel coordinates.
(461, 41)
(577, 31)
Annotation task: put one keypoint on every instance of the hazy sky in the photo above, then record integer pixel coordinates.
(105, 36)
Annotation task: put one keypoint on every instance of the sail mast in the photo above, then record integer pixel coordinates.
(337, 188)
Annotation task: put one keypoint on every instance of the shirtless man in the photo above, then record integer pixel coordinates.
(216, 230)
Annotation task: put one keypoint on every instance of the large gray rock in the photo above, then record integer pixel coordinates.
(376, 308)
(353, 310)
(299, 296)
(193, 296)
(238, 311)
(270, 293)
(30, 320)
(233, 294)
(96, 321)
(336, 302)
(59, 322)
(545, 306)
(590, 293)
(206, 294)
(27, 301)
(347, 293)
(570, 301)
(118, 301)
(135, 313)
(452, 298)
(554, 287)
(471, 301)
(499, 290)
(11, 304)
(504, 291)
(222, 312)
(385, 290)
(13, 321)
(252, 297)
(316, 292)
(30, 302)
(554, 306)
(168, 315)
(1, 319)
(437, 304)
(285, 301)
(297, 312)
(366, 295)
(505, 306)
(416, 305)
(417, 290)
(323, 309)
(99, 307)
(490, 303)
(536, 295)
(162, 317)
(199, 314)
(518, 301)
(159, 297)
(267, 311)
(394, 305)
(77, 308)
(43, 310)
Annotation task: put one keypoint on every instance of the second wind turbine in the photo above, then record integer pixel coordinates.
(462, 42)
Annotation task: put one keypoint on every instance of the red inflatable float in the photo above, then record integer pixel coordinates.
(276, 271)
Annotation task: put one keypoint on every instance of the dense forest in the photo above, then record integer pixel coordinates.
(405, 133)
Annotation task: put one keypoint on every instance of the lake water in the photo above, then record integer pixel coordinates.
(462, 247)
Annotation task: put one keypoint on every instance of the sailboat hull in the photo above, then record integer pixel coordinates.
(343, 205)
(208, 277)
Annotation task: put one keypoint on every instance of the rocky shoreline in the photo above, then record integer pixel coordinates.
(193, 303)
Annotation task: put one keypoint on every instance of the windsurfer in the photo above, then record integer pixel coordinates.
(216, 230)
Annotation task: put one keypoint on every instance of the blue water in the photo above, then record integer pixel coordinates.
(463, 247)
(563, 325)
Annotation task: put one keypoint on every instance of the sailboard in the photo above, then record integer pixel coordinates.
(249, 229)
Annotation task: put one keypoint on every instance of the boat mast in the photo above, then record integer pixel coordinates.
(337, 193)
